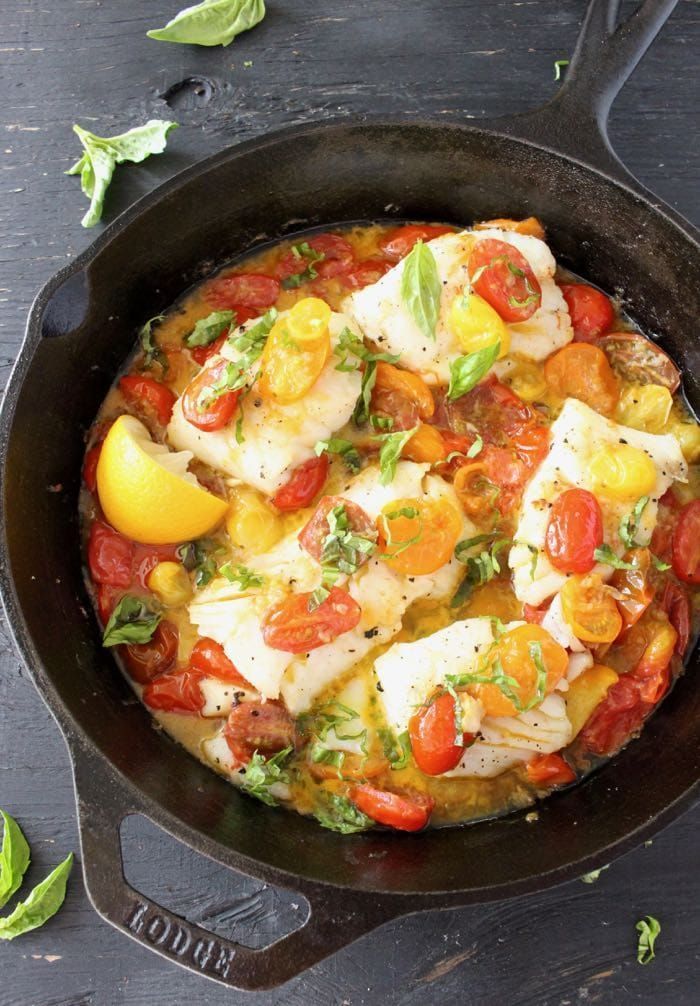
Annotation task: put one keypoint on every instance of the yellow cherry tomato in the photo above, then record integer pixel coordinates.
(251, 522)
(425, 446)
(296, 351)
(170, 583)
(590, 610)
(418, 536)
(527, 381)
(644, 407)
(512, 652)
(688, 436)
(622, 472)
(477, 325)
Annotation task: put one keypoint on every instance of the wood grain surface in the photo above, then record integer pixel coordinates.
(89, 61)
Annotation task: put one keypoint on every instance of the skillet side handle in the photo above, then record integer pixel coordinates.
(335, 919)
(574, 122)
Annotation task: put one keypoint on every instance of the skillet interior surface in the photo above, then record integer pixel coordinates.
(80, 331)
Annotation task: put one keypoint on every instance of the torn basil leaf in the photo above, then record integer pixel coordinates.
(467, 371)
(212, 22)
(261, 774)
(648, 929)
(208, 330)
(606, 555)
(421, 288)
(244, 577)
(339, 814)
(390, 452)
(14, 858)
(307, 256)
(132, 621)
(43, 902)
(152, 353)
(343, 448)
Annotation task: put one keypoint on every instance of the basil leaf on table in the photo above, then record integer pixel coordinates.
(467, 371)
(102, 154)
(43, 902)
(132, 621)
(14, 858)
(212, 22)
(208, 330)
(421, 288)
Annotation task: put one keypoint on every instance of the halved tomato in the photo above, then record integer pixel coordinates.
(504, 278)
(291, 627)
(402, 396)
(639, 360)
(209, 658)
(418, 536)
(633, 586)
(581, 370)
(149, 394)
(404, 812)
(574, 531)
(398, 243)
(242, 290)
(590, 610)
(313, 534)
(144, 661)
(265, 727)
(305, 483)
(370, 270)
(202, 406)
(513, 653)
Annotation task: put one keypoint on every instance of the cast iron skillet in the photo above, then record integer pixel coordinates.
(555, 163)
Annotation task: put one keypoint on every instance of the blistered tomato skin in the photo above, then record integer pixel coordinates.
(176, 692)
(152, 395)
(110, 556)
(436, 745)
(398, 811)
(686, 544)
(304, 485)
(265, 727)
(249, 290)
(206, 408)
(574, 532)
(292, 627)
(504, 278)
(145, 661)
(209, 658)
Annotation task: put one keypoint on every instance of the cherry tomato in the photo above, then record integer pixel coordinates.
(313, 534)
(635, 592)
(456, 441)
(109, 556)
(590, 610)
(504, 278)
(513, 652)
(177, 692)
(476, 492)
(107, 598)
(435, 742)
(337, 252)
(144, 661)
(217, 412)
(530, 226)
(535, 616)
(370, 270)
(209, 658)
(581, 370)
(426, 446)
(531, 445)
(296, 352)
(591, 312)
(291, 627)
(401, 395)
(686, 544)
(398, 243)
(228, 293)
(90, 467)
(492, 408)
(423, 542)
(639, 360)
(152, 394)
(402, 812)
(550, 770)
(574, 532)
(147, 557)
(616, 719)
(265, 727)
(676, 603)
(306, 482)
(653, 668)
(200, 354)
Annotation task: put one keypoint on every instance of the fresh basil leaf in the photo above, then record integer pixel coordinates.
(559, 64)
(467, 371)
(369, 379)
(102, 154)
(390, 452)
(350, 344)
(481, 568)
(381, 422)
(606, 555)
(648, 929)
(304, 253)
(328, 756)
(244, 577)
(14, 858)
(397, 750)
(198, 557)
(260, 775)
(476, 447)
(421, 288)
(343, 552)
(590, 878)
(629, 524)
(344, 448)
(132, 621)
(43, 902)
(536, 656)
(339, 814)
(318, 596)
(659, 563)
(152, 353)
(208, 330)
(212, 22)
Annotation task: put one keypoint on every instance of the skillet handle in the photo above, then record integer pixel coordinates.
(574, 122)
(335, 918)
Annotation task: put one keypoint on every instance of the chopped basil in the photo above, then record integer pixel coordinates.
(421, 288)
(208, 329)
(42, 903)
(261, 774)
(535, 651)
(481, 568)
(590, 878)
(350, 345)
(648, 929)
(381, 422)
(318, 596)
(152, 353)
(659, 563)
(102, 154)
(244, 577)
(390, 452)
(467, 371)
(344, 448)
(559, 64)
(629, 524)
(342, 552)
(476, 447)
(14, 858)
(304, 253)
(397, 750)
(211, 22)
(339, 814)
(410, 513)
(132, 621)
(328, 756)
(198, 556)
(605, 554)
(497, 677)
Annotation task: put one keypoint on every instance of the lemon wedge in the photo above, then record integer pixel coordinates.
(146, 491)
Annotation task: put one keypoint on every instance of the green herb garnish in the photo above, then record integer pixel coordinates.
(421, 288)
(244, 577)
(481, 568)
(397, 547)
(467, 371)
(648, 929)
(14, 858)
(339, 814)
(304, 253)
(260, 775)
(390, 452)
(208, 330)
(397, 750)
(476, 447)
(152, 353)
(605, 554)
(349, 346)
(559, 65)
(132, 621)
(198, 556)
(343, 552)
(212, 22)
(343, 448)
(629, 524)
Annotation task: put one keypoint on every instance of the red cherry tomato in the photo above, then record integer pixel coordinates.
(90, 467)
(109, 556)
(504, 278)
(147, 557)
(209, 658)
(398, 243)
(337, 254)
(618, 717)
(686, 543)
(313, 534)
(178, 692)
(291, 627)
(216, 413)
(368, 271)
(550, 770)
(107, 598)
(200, 354)
(144, 391)
(229, 293)
(265, 727)
(306, 482)
(591, 312)
(403, 812)
(676, 603)
(437, 747)
(144, 661)
(574, 532)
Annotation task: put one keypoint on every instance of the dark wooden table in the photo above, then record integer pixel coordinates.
(89, 61)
